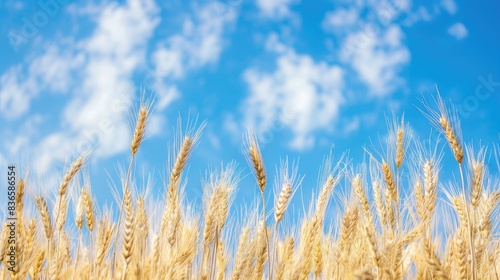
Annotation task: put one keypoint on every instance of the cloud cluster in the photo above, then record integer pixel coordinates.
(302, 95)
(96, 74)
(305, 95)
(377, 58)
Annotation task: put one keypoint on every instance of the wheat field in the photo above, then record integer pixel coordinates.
(392, 225)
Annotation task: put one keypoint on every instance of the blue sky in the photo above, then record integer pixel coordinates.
(308, 76)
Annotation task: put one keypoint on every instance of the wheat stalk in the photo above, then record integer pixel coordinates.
(128, 241)
(140, 128)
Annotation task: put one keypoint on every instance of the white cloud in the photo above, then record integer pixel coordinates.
(388, 11)
(301, 95)
(276, 9)
(15, 93)
(117, 47)
(169, 62)
(377, 58)
(371, 41)
(340, 18)
(199, 43)
(49, 72)
(123, 29)
(450, 6)
(373, 44)
(420, 14)
(54, 68)
(458, 30)
(17, 143)
(156, 125)
(351, 125)
(429, 11)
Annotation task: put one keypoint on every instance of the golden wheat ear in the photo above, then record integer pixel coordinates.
(286, 183)
(357, 185)
(477, 171)
(184, 143)
(445, 121)
(398, 142)
(283, 201)
(140, 128)
(74, 168)
(141, 120)
(43, 209)
(255, 159)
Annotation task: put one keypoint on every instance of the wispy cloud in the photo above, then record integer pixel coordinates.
(377, 58)
(341, 18)
(15, 94)
(450, 6)
(371, 42)
(19, 85)
(199, 43)
(275, 9)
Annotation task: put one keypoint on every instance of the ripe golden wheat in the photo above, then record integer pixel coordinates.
(390, 227)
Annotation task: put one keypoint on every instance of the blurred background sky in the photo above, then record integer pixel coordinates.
(311, 77)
